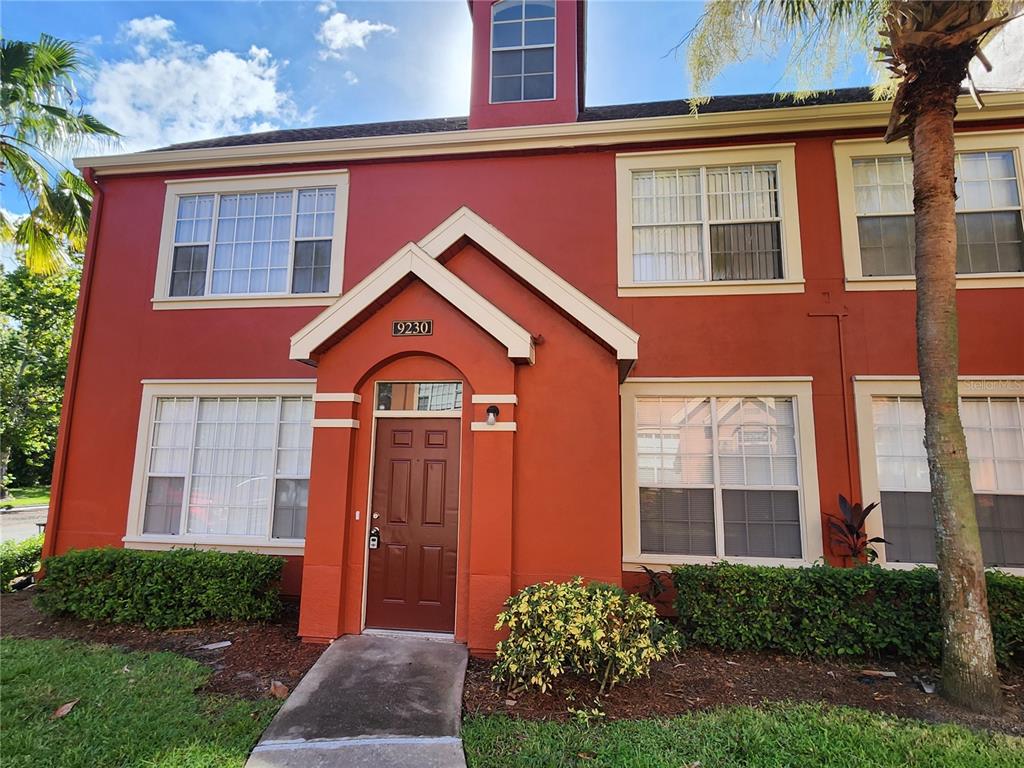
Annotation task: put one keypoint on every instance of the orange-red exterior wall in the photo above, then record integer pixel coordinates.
(560, 207)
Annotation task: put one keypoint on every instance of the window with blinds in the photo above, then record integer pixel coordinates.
(713, 223)
(718, 476)
(994, 428)
(990, 235)
(229, 466)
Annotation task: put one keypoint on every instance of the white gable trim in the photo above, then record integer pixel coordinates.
(412, 260)
(588, 313)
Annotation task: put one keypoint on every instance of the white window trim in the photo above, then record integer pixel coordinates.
(490, 58)
(152, 390)
(782, 155)
(865, 389)
(798, 388)
(261, 183)
(846, 151)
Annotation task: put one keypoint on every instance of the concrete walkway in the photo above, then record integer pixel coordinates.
(372, 701)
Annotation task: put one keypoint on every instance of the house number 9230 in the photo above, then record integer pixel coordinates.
(412, 327)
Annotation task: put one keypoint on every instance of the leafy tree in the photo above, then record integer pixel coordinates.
(927, 46)
(41, 121)
(37, 314)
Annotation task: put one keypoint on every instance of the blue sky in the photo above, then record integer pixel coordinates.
(164, 72)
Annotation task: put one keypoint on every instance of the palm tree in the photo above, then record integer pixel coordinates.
(927, 46)
(39, 123)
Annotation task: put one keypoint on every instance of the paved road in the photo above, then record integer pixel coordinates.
(19, 524)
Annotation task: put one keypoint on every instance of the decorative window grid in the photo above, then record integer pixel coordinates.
(707, 224)
(263, 243)
(990, 232)
(229, 467)
(719, 476)
(522, 50)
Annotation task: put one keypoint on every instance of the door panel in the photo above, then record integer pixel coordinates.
(415, 504)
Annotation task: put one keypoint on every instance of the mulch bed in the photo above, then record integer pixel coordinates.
(259, 652)
(702, 679)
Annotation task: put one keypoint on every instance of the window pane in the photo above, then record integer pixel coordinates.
(312, 270)
(506, 89)
(1001, 525)
(989, 242)
(195, 212)
(290, 505)
(668, 254)
(746, 251)
(540, 9)
(679, 521)
(507, 63)
(886, 245)
(537, 60)
(538, 87)
(163, 505)
(507, 10)
(244, 239)
(909, 527)
(188, 270)
(756, 441)
(419, 396)
(761, 523)
(507, 35)
(232, 466)
(540, 32)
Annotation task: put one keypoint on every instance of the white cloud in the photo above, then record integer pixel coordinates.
(326, 6)
(338, 33)
(172, 91)
(350, 77)
(146, 31)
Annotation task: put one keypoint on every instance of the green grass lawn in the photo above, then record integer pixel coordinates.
(797, 736)
(29, 496)
(134, 709)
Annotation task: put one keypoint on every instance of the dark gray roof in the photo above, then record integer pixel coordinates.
(589, 114)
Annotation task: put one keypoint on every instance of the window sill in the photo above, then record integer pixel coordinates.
(665, 562)
(913, 566)
(241, 302)
(718, 288)
(987, 280)
(225, 544)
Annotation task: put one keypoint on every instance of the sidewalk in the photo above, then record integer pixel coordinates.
(372, 701)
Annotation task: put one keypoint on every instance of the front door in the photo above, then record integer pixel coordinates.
(415, 506)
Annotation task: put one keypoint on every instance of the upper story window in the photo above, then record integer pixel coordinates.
(988, 220)
(522, 50)
(258, 239)
(875, 187)
(723, 223)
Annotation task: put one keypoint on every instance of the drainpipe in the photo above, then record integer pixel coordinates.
(847, 421)
(74, 360)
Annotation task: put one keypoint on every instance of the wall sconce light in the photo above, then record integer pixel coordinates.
(492, 415)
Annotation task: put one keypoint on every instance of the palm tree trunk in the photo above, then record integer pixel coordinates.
(969, 676)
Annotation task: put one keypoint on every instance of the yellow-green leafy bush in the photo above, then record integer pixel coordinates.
(593, 630)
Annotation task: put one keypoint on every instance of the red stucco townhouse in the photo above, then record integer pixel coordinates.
(433, 361)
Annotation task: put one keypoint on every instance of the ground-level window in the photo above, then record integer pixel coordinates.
(994, 427)
(718, 476)
(228, 467)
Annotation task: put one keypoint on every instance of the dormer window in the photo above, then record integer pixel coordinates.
(522, 50)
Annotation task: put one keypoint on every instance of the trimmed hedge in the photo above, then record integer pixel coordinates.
(18, 558)
(826, 611)
(175, 588)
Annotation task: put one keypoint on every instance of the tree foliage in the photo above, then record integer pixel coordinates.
(37, 314)
(40, 121)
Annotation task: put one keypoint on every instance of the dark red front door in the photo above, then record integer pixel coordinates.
(415, 506)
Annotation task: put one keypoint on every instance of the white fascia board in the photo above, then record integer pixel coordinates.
(591, 315)
(411, 259)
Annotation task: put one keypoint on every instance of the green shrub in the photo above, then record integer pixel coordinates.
(595, 630)
(161, 589)
(18, 558)
(826, 611)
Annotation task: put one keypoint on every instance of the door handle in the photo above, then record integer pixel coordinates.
(375, 516)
